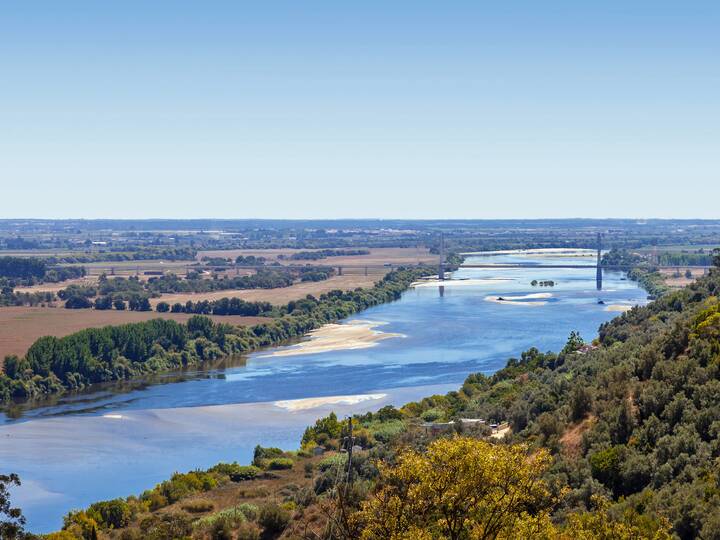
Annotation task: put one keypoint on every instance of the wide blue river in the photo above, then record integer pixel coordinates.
(109, 443)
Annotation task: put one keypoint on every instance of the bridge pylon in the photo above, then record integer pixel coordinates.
(441, 264)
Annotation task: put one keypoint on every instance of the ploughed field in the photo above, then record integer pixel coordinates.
(21, 326)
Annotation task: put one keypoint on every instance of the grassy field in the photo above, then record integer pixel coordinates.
(376, 257)
(280, 296)
(21, 326)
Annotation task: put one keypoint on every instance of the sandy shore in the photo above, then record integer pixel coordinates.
(622, 308)
(520, 300)
(339, 337)
(574, 252)
(313, 403)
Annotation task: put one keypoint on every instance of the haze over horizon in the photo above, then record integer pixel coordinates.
(326, 110)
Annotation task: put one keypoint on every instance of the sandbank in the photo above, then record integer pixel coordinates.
(520, 300)
(312, 403)
(618, 307)
(339, 337)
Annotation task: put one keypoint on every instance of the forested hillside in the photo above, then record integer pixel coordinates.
(636, 421)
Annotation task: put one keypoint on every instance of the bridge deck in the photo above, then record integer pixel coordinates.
(588, 266)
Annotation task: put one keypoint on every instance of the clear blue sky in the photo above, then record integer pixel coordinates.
(359, 109)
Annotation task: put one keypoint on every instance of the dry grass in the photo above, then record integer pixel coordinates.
(571, 440)
(21, 326)
(283, 295)
(55, 287)
(376, 257)
(672, 281)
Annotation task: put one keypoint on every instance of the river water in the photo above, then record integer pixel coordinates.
(107, 443)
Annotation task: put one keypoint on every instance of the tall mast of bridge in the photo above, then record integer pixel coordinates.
(441, 263)
(598, 275)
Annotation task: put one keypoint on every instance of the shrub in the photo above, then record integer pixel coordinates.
(279, 464)
(198, 506)
(247, 531)
(261, 454)
(113, 514)
(103, 303)
(274, 518)
(78, 302)
(250, 511)
(237, 472)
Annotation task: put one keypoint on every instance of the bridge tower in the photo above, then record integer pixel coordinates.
(598, 275)
(441, 264)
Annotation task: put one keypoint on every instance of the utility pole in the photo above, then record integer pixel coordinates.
(598, 276)
(351, 443)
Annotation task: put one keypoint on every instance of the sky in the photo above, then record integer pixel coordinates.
(403, 109)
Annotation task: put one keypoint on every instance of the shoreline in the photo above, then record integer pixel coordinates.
(585, 252)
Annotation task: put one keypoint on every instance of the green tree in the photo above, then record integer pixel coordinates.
(461, 488)
(12, 521)
(574, 342)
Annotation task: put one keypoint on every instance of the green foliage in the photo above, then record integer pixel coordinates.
(25, 268)
(273, 518)
(78, 302)
(112, 514)
(279, 464)
(12, 521)
(180, 486)
(262, 454)
(237, 472)
(325, 428)
(574, 342)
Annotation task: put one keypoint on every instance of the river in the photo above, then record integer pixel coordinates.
(108, 443)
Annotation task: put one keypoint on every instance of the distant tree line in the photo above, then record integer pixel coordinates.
(700, 257)
(325, 253)
(143, 254)
(25, 271)
(224, 306)
(116, 292)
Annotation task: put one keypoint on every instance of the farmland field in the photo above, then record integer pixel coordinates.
(21, 326)
(282, 295)
(377, 256)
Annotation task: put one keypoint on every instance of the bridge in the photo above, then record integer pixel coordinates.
(598, 267)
